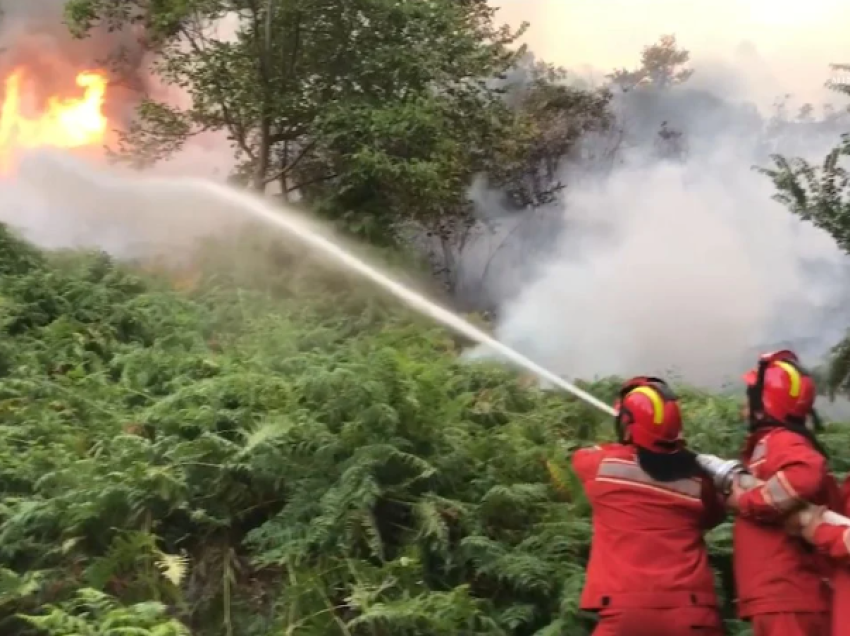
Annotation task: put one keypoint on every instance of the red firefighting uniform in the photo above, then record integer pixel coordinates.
(648, 573)
(781, 581)
(834, 541)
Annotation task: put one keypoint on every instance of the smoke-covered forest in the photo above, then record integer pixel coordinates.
(235, 438)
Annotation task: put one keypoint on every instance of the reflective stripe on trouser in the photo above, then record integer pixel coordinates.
(801, 624)
(698, 621)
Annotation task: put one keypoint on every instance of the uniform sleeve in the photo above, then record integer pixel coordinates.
(714, 509)
(799, 473)
(833, 541)
(586, 462)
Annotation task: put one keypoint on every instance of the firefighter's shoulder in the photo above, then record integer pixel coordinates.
(785, 441)
(586, 460)
(595, 449)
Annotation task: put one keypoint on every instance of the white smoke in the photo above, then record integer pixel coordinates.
(675, 268)
(671, 268)
(60, 201)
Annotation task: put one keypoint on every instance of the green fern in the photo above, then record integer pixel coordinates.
(92, 613)
(230, 460)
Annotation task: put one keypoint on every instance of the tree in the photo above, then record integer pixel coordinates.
(369, 110)
(553, 117)
(821, 196)
(662, 66)
(840, 82)
(670, 143)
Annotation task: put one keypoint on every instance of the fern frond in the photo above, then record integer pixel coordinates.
(174, 567)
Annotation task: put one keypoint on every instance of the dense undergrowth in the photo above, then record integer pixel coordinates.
(259, 451)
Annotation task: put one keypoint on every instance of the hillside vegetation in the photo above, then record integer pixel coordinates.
(289, 455)
(264, 459)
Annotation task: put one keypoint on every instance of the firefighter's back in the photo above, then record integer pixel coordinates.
(648, 557)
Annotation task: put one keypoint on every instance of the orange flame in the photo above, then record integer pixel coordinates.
(64, 122)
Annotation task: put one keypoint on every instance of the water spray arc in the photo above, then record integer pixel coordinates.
(96, 189)
(442, 315)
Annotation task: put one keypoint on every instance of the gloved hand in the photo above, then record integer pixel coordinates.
(803, 523)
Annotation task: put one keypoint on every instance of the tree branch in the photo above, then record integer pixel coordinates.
(237, 131)
(289, 166)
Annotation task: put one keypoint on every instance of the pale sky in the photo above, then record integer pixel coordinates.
(796, 39)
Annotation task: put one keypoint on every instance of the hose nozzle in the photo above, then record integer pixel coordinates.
(722, 471)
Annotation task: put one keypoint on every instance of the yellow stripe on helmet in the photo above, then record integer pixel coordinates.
(794, 376)
(657, 403)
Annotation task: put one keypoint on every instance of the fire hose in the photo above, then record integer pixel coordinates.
(726, 472)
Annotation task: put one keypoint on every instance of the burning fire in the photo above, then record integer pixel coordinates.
(63, 123)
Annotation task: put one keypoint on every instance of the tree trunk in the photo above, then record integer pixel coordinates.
(263, 154)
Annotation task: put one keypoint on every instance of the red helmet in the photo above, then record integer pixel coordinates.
(780, 388)
(648, 415)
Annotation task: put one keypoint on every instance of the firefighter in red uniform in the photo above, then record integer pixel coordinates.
(648, 573)
(780, 580)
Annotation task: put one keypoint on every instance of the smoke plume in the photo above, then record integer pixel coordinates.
(684, 268)
(677, 266)
(60, 201)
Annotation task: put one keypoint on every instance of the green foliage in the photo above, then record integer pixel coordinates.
(663, 65)
(818, 194)
(228, 460)
(373, 111)
(92, 613)
(551, 119)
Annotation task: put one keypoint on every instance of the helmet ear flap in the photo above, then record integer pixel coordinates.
(624, 416)
(817, 423)
(623, 419)
(755, 393)
(754, 402)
